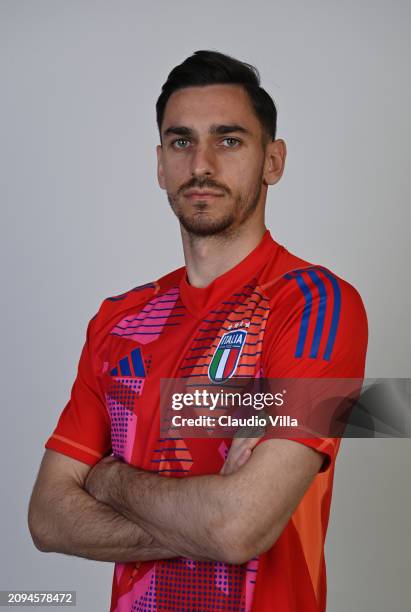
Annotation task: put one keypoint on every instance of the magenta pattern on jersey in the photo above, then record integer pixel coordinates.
(178, 583)
(123, 428)
(147, 325)
(146, 599)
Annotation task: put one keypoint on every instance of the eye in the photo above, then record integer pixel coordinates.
(179, 140)
(236, 141)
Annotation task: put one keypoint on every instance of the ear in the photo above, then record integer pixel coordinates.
(276, 152)
(160, 173)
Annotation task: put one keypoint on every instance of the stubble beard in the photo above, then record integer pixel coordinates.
(202, 225)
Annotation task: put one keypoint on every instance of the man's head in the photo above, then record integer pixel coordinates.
(217, 130)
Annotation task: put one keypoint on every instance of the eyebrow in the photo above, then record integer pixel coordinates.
(181, 130)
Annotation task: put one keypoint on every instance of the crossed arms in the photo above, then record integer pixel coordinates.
(117, 512)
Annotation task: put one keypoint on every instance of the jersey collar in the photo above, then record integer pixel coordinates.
(200, 300)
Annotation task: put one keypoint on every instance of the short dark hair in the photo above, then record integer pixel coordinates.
(212, 68)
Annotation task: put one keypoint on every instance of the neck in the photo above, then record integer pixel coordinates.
(207, 257)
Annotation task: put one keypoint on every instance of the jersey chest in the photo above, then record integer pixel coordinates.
(161, 340)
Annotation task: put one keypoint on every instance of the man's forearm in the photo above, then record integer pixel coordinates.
(185, 514)
(75, 523)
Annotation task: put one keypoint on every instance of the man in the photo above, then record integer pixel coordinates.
(189, 526)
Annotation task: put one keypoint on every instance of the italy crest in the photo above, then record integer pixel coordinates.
(225, 359)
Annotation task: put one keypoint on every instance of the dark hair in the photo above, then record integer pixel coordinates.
(212, 68)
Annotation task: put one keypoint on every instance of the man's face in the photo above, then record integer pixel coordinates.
(212, 142)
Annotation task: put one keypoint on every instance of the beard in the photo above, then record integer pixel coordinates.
(204, 219)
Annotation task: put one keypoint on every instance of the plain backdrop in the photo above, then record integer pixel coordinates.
(81, 211)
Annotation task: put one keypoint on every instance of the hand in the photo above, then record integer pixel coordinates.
(100, 479)
(239, 453)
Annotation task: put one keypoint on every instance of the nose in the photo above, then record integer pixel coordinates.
(202, 161)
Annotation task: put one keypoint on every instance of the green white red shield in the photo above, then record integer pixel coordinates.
(226, 356)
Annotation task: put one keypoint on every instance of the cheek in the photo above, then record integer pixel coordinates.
(175, 174)
(243, 177)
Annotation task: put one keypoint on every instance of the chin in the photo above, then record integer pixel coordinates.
(200, 226)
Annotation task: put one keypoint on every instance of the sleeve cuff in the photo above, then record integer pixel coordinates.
(73, 449)
(328, 447)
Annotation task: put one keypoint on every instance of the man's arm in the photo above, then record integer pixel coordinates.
(64, 518)
(227, 517)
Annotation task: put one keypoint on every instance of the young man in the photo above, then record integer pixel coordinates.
(204, 524)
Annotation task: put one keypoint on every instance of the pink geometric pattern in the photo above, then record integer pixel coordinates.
(221, 577)
(251, 570)
(123, 428)
(223, 450)
(141, 597)
(148, 324)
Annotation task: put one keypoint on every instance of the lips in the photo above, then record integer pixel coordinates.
(198, 194)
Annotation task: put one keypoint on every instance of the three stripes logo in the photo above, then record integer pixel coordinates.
(227, 355)
(316, 286)
(130, 365)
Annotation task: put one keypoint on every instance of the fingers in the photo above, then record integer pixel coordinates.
(232, 464)
(244, 457)
(239, 453)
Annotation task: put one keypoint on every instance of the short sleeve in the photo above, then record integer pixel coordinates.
(83, 430)
(317, 328)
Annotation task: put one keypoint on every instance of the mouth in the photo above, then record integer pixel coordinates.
(202, 195)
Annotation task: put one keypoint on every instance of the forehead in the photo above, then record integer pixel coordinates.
(199, 107)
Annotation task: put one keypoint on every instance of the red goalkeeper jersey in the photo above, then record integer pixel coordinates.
(299, 320)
